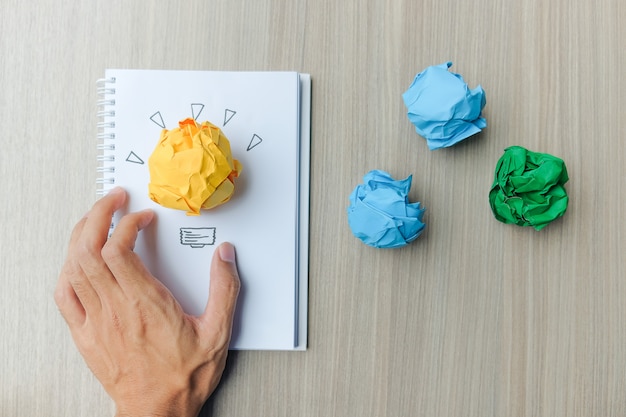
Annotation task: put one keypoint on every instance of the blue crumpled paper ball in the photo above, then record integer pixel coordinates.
(380, 213)
(442, 108)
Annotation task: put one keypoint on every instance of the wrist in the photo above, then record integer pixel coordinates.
(170, 410)
(159, 405)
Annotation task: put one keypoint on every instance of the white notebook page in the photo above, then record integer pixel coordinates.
(259, 113)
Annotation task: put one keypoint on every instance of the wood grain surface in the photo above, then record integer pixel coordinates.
(475, 318)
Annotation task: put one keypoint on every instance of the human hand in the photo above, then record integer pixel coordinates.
(151, 357)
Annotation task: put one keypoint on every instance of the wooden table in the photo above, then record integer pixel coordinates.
(475, 318)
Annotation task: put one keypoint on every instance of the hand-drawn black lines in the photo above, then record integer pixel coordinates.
(254, 142)
(158, 119)
(197, 237)
(196, 109)
(133, 158)
(228, 114)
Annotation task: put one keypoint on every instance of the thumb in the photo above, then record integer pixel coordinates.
(217, 318)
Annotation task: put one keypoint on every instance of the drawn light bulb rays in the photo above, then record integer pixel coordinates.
(228, 114)
(134, 159)
(196, 110)
(158, 119)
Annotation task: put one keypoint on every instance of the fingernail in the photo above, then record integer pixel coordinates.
(227, 253)
(148, 215)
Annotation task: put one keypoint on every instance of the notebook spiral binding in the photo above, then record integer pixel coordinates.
(105, 89)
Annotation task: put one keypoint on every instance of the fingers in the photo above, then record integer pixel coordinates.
(69, 304)
(124, 264)
(70, 298)
(217, 319)
(76, 293)
(78, 229)
(96, 229)
(92, 238)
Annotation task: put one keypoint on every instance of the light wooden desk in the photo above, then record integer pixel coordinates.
(476, 318)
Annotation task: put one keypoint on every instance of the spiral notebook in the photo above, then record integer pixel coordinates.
(266, 117)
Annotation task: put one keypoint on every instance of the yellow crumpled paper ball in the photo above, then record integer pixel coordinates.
(192, 168)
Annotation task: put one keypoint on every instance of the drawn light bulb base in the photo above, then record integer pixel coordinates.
(197, 237)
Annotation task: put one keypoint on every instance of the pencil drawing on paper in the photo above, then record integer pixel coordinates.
(134, 158)
(197, 237)
(196, 109)
(228, 114)
(254, 142)
(158, 119)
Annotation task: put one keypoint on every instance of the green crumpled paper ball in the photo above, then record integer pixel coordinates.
(528, 188)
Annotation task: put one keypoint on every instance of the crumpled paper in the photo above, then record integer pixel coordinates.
(528, 188)
(380, 213)
(442, 108)
(191, 168)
